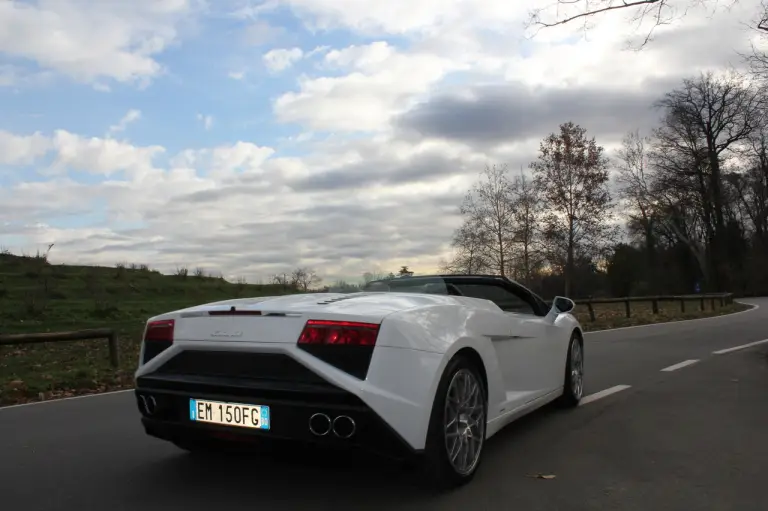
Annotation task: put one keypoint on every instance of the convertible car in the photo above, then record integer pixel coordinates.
(424, 368)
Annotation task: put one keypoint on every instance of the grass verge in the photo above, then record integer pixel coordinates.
(609, 316)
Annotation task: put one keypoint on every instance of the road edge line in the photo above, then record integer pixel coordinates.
(58, 400)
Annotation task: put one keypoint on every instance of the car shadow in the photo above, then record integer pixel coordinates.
(295, 477)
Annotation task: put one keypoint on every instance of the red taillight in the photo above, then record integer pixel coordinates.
(350, 333)
(161, 330)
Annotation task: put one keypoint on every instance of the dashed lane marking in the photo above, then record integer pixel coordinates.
(737, 348)
(675, 367)
(603, 393)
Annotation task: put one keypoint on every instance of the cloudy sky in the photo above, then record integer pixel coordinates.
(251, 137)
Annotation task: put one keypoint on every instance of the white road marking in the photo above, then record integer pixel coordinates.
(721, 316)
(603, 393)
(680, 365)
(737, 348)
(65, 399)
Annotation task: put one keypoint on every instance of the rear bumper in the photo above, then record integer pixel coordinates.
(291, 407)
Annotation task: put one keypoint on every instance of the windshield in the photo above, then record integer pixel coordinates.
(428, 285)
(507, 295)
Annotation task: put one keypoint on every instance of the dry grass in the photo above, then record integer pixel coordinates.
(641, 313)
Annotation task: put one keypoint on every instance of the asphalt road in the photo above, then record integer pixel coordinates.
(693, 438)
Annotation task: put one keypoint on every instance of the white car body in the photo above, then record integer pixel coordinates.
(523, 355)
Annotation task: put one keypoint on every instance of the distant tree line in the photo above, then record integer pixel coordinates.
(681, 209)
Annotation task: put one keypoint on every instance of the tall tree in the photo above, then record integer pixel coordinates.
(571, 176)
(526, 211)
(634, 178)
(704, 121)
(489, 208)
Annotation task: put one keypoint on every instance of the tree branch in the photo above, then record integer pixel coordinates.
(585, 14)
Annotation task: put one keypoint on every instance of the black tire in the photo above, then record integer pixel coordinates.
(439, 471)
(572, 397)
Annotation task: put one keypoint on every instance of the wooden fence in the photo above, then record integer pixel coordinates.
(723, 298)
(80, 335)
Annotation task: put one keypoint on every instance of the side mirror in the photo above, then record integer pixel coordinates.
(562, 304)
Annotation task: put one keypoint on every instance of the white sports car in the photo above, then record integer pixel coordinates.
(427, 367)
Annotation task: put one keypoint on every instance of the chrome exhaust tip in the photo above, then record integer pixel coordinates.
(143, 404)
(320, 424)
(344, 426)
(151, 405)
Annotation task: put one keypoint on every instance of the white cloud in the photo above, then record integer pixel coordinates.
(132, 115)
(263, 223)
(22, 149)
(224, 160)
(260, 33)
(382, 82)
(281, 59)
(89, 41)
(101, 155)
(407, 16)
(207, 120)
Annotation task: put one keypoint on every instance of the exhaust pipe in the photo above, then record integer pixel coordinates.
(344, 426)
(151, 405)
(143, 404)
(320, 424)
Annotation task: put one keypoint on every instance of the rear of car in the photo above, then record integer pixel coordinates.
(303, 368)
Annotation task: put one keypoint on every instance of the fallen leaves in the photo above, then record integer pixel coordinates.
(542, 476)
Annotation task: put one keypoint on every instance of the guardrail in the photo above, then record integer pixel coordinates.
(723, 298)
(80, 335)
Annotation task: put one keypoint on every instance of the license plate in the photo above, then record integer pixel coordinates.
(229, 414)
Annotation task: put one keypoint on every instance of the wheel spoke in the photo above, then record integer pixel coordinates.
(577, 370)
(464, 421)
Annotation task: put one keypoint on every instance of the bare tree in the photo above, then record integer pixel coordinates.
(757, 58)
(751, 185)
(304, 278)
(634, 179)
(526, 212)
(281, 279)
(706, 120)
(469, 242)
(489, 206)
(571, 175)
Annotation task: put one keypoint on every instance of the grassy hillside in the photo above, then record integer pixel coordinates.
(36, 296)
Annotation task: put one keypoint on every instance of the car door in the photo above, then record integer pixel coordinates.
(523, 350)
(546, 355)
